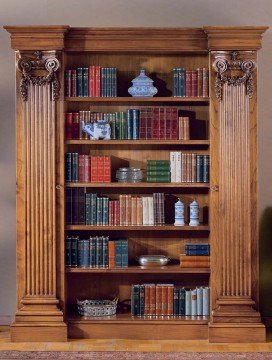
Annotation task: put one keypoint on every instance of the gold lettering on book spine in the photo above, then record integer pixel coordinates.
(30, 69)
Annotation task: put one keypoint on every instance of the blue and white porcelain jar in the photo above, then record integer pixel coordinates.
(194, 214)
(142, 86)
(179, 213)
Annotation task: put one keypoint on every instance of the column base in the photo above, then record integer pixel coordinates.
(42, 332)
(237, 333)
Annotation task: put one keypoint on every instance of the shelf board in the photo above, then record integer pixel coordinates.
(139, 185)
(139, 228)
(128, 99)
(139, 142)
(169, 269)
(127, 318)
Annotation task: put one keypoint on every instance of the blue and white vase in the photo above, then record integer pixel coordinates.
(194, 214)
(142, 86)
(179, 213)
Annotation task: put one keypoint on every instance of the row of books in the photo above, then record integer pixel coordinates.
(88, 208)
(96, 252)
(190, 83)
(93, 81)
(189, 167)
(158, 171)
(169, 300)
(91, 168)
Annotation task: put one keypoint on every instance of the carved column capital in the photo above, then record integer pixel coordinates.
(31, 69)
(228, 61)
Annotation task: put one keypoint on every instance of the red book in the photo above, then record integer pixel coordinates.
(81, 168)
(122, 211)
(116, 216)
(97, 81)
(149, 120)
(147, 300)
(91, 80)
(188, 88)
(69, 126)
(158, 307)
(75, 125)
(152, 303)
(168, 123)
(162, 123)
(87, 168)
(170, 300)
(199, 82)
(174, 127)
(142, 127)
(194, 83)
(94, 176)
(100, 168)
(74, 83)
(111, 254)
(155, 123)
(164, 300)
(107, 169)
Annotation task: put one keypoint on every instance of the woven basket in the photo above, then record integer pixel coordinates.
(97, 307)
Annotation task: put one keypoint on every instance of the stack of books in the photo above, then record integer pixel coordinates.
(169, 300)
(190, 83)
(158, 171)
(96, 252)
(196, 255)
(93, 81)
(189, 167)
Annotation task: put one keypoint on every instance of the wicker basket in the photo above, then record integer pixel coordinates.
(97, 307)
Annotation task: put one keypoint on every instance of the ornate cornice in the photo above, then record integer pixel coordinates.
(222, 64)
(28, 67)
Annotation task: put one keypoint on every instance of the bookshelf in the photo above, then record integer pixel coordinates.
(223, 126)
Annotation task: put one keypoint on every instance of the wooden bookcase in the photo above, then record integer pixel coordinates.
(46, 290)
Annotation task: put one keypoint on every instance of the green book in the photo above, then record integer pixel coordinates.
(124, 130)
(135, 300)
(75, 167)
(118, 125)
(118, 253)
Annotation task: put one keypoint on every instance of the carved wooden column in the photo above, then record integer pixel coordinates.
(234, 218)
(38, 317)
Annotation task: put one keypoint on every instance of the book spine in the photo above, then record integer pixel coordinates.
(142, 124)
(153, 301)
(124, 130)
(158, 178)
(93, 209)
(98, 82)
(105, 252)
(114, 82)
(105, 213)
(91, 80)
(195, 264)
(135, 300)
(74, 251)
(116, 209)
(68, 167)
(85, 82)
(206, 301)
(135, 124)
(74, 83)
(199, 82)
(142, 300)
(68, 206)
(80, 82)
(118, 253)
(81, 205)
(178, 166)
(205, 82)
(92, 252)
(206, 168)
(194, 168)
(118, 125)
(188, 303)
(199, 168)
(129, 124)
(175, 82)
(99, 211)
(74, 203)
(170, 300)
(176, 302)
(94, 172)
(133, 211)
(164, 300)
(155, 124)
(158, 297)
(147, 300)
(139, 206)
(99, 252)
(194, 83)
(80, 253)
(197, 252)
(182, 82)
(68, 83)
(182, 302)
(174, 124)
(68, 252)
(88, 208)
(74, 167)
(107, 169)
(199, 294)
(168, 123)
(100, 169)
(162, 118)
(103, 81)
(188, 75)
(111, 254)
(194, 302)
(194, 246)
(173, 166)
(69, 126)
(108, 85)
(75, 126)
(81, 168)
(149, 120)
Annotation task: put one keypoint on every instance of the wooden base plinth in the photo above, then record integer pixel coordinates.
(32, 332)
(138, 331)
(237, 333)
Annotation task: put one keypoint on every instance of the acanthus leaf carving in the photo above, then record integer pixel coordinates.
(222, 64)
(48, 63)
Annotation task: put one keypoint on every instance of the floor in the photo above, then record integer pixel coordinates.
(132, 345)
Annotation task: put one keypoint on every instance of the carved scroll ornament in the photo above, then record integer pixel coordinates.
(221, 65)
(26, 66)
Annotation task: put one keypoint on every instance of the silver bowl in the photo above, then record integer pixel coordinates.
(153, 260)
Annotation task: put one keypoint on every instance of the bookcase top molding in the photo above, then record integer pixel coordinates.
(172, 40)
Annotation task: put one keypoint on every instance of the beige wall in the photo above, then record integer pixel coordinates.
(180, 13)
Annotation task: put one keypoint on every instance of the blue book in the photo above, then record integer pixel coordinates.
(85, 82)
(176, 302)
(105, 212)
(74, 251)
(197, 252)
(181, 82)
(135, 300)
(93, 219)
(118, 253)
(81, 254)
(103, 82)
(105, 251)
(92, 252)
(99, 211)
(68, 252)
(79, 81)
(124, 244)
(130, 124)
(182, 302)
(114, 82)
(197, 246)
(175, 82)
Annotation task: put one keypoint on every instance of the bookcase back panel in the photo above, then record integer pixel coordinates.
(158, 67)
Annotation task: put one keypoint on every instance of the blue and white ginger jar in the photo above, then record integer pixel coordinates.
(142, 86)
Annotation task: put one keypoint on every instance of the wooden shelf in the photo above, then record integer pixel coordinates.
(127, 318)
(139, 142)
(169, 269)
(128, 99)
(139, 185)
(139, 228)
